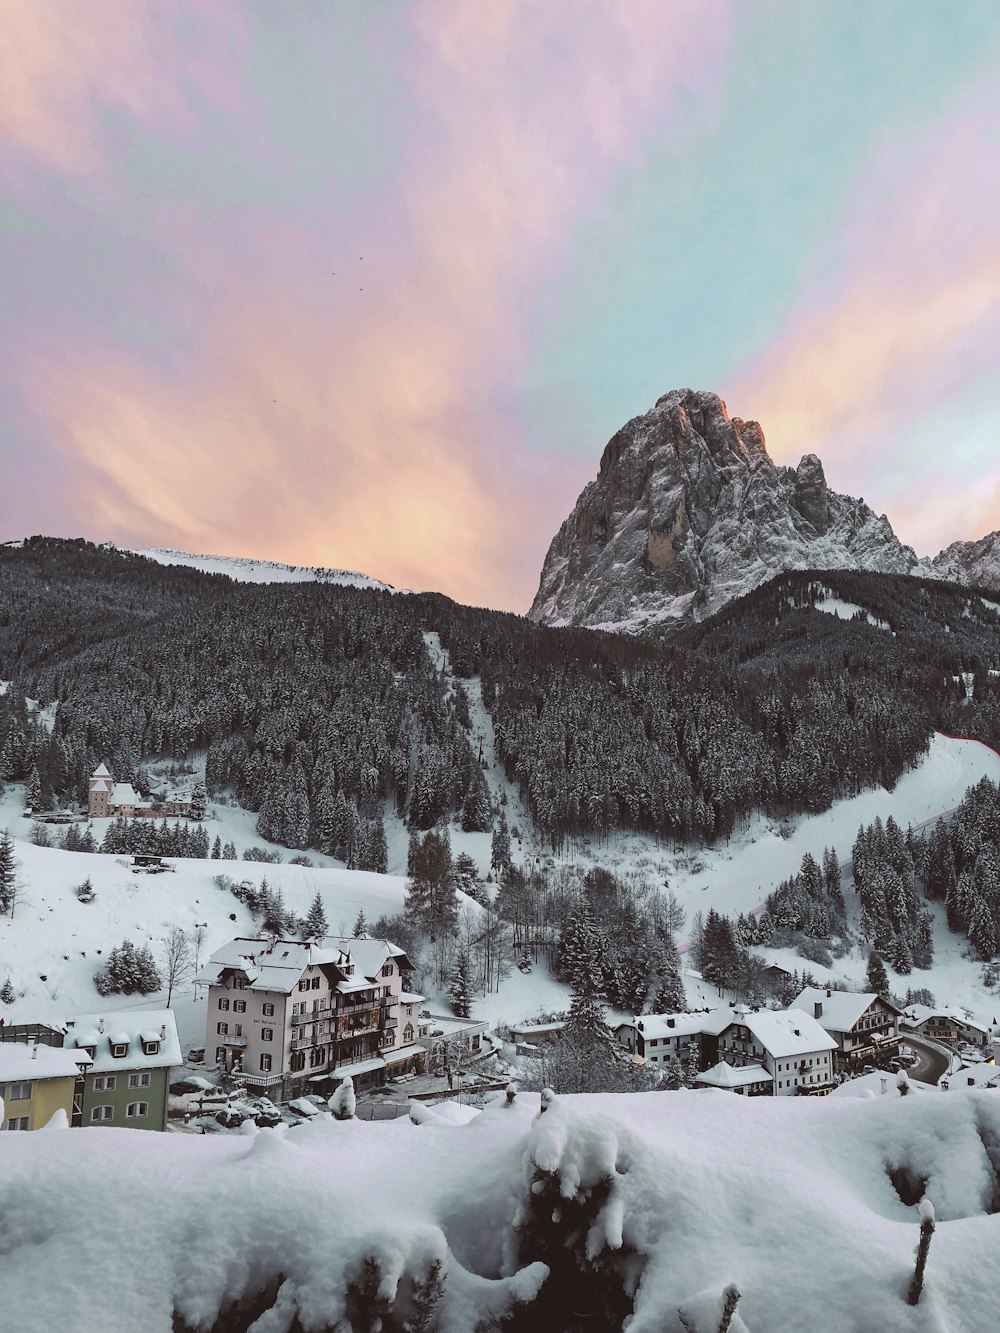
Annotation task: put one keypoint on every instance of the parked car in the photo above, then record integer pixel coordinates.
(230, 1118)
(196, 1056)
(191, 1084)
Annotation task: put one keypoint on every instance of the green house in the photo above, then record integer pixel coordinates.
(133, 1052)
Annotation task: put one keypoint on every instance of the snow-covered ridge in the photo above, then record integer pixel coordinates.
(246, 569)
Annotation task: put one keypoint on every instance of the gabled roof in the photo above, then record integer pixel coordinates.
(725, 1075)
(126, 1027)
(841, 1008)
(783, 1033)
(101, 771)
(656, 1026)
(272, 964)
(918, 1014)
(123, 793)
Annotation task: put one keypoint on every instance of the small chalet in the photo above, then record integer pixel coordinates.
(528, 1037)
(862, 1024)
(949, 1025)
(745, 1080)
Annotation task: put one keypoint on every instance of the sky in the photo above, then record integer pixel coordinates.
(370, 285)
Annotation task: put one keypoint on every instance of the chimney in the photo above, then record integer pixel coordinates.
(163, 1032)
(817, 1009)
(33, 1046)
(670, 1023)
(885, 1084)
(100, 1025)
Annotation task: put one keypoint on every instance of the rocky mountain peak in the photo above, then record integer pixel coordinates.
(687, 511)
(976, 562)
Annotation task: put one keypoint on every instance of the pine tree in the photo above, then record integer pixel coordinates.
(7, 995)
(9, 867)
(500, 858)
(199, 801)
(217, 848)
(360, 925)
(459, 989)
(878, 977)
(314, 926)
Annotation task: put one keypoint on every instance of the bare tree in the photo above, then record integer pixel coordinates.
(178, 960)
(198, 942)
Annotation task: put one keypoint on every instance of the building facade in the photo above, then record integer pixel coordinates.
(131, 1055)
(37, 1081)
(296, 1017)
(862, 1024)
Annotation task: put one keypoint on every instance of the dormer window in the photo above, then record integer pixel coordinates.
(150, 1047)
(91, 1051)
(119, 1049)
(387, 970)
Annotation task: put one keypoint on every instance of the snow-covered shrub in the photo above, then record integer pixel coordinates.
(343, 1102)
(128, 971)
(85, 892)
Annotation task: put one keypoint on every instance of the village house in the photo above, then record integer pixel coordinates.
(948, 1025)
(37, 1081)
(861, 1023)
(131, 1054)
(789, 1044)
(297, 1017)
(745, 1080)
(529, 1037)
(659, 1038)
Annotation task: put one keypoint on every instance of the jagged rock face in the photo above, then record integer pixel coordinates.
(975, 563)
(688, 512)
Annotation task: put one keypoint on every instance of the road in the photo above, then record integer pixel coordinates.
(931, 1063)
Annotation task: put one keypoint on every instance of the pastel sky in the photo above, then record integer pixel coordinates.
(370, 285)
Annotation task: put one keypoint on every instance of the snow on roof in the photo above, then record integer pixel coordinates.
(841, 1008)
(123, 793)
(878, 1084)
(411, 997)
(655, 1026)
(789, 1032)
(403, 1053)
(350, 1071)
(101, 771)
(724, 1075)
(131, 1027)
(976, 1076)
(20, 1062)
(918, 1014)
(538, 1029)
(272, 964)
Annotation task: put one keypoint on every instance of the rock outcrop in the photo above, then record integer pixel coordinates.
(688, 511)
(975, 563)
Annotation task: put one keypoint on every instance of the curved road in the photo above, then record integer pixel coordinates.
(931, 1063)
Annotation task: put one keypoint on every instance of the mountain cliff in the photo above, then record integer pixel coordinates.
(976, 563)
(688, 511)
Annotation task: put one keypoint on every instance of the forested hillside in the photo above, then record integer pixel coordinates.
(318, 704)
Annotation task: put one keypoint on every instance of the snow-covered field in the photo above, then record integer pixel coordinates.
(790, 1199)
(836, 606)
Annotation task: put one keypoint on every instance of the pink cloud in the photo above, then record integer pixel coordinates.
(907, 317)
(63, 64)
(326, 424)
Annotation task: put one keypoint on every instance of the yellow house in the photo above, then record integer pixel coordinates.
(37, 1081)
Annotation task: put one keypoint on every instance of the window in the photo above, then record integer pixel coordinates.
(315, 982)
(100, 1113)
(387, 970)
(268, 1010)
(16, 1122)
(18, 1092)
(237, 1029)
(223, 1004)
(222, 1029)
(138, 1080)
(317, 1057)
(240, 1006)
(220, 1054)
(105, 1083)
(297, 1061)
(265, 1063)
(119, 1049)
(408, 1032)
(304, 985)
(150, 1047)
(267, 1034)
(239, 983)
(136, 1109)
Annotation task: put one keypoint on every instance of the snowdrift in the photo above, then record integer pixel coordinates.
(618, 1208)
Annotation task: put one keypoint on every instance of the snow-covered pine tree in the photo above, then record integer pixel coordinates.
(877, 977)
(314, 924)
(360, 925)
(458, 990)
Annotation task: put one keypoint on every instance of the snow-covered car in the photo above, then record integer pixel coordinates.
(196, 1056)
(304, 1107)
(193, 1083)
(230, 1118)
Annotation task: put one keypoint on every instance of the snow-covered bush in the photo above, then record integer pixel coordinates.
(343, 1102)
(128, 971)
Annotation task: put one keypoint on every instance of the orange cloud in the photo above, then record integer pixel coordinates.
(356, 429)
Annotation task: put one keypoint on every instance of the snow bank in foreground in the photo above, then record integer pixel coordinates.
(669, 1197)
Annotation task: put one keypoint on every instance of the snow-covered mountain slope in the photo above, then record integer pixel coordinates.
(653, 1202)
(244, 569)
(976, 563)
(688, 511)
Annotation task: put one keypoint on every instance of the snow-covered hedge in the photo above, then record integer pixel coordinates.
(622, 1208)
